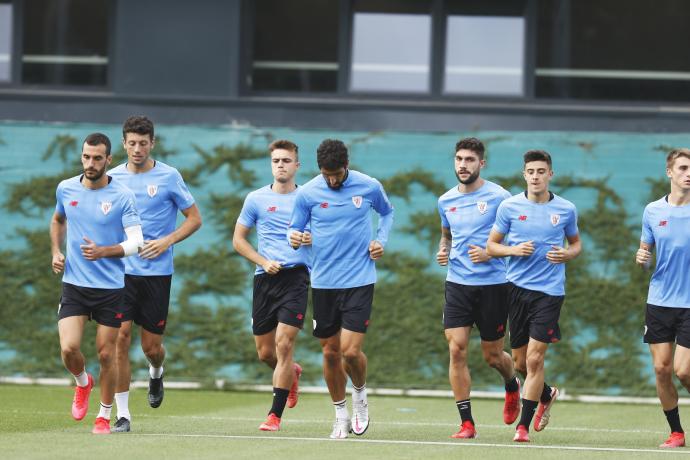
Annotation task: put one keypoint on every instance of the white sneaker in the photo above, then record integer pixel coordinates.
(360, 417)
(341, 428)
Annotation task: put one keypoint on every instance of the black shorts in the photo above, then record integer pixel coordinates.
(280, 298)
(348, 308)
(533, 314)
(667, 324)
(147, 299)
(102, 305)
(485, 306)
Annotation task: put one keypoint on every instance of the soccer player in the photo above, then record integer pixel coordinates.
(99, 219)
(281, 279)
(337, 204)
(530, 229)
(666, 226)
(160, 192)
(476, 286)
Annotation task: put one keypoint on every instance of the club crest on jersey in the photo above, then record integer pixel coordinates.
(106, 206)
(482, 206)
(152, 190)
(357, 201)
(555, 219)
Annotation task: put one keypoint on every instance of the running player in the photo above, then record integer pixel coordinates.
(281, 279)
(666, 227)
(530, 229)
(103, 227)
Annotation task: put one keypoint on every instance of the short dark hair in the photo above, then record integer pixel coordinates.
(95, 139)
(137, 124)
(473, 144)
(538, 155)
(284, 144)
(674, 154)
(331, 155)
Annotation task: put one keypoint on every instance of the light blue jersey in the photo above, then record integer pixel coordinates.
(545, 224)
(100, 215)
(270, 212)
(668, 228)
(341, 228)
(470, 216)
(160, 193)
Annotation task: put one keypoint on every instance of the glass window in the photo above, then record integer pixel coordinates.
(295, 50)
(615, 49)
(485, 55)
(391, 47)
(5, 41)
(65, 42)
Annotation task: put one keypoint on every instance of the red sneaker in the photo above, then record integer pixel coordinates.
(80, 403)
(675, 440)
(101, 426)
(521, 434)
(511, 408)
(467, 431)
(294, 389)
(272, 423)
(541, 418)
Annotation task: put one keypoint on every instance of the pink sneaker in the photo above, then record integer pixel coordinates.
(101, 426)
(675, 440)
(467, 431)
(80, 403)
(294, 389)
(272, 423)
(521, 434)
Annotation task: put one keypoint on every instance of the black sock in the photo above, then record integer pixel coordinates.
(465, 409)
(674, 420)
(279, 400)
(512, 384)
(528, 409)
(545, 394)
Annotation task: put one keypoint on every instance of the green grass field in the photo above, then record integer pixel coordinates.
(35, 422)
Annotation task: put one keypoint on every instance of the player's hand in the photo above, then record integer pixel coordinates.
(90, 250)
(296, 239)
(558, 255)
(643, 257)
(478, 254)
(271, 267)
(375, 250)
(523, 249)
(442, 256)
(58, 262)
(154, 248)
(306, 239)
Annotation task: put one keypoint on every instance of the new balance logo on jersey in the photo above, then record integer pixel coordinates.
(663, 223)
(324, 205)
(482, 206)
(555, 219)
(73, 203)
(453, 209)
(522, 218)
(357, 201)
(152, 190)
(106, 206)
(272, 208)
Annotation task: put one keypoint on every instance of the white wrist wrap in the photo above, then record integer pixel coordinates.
(135, 240)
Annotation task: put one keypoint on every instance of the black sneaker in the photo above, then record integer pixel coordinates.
(121, 426)
(155, 392)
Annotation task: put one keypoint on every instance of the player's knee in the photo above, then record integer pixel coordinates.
(69, 349)
(106, 355)
(535, 363)
(458, 352)
(684, 376)
(493, 358)
(332, 356)
(663, 370)
(352, 354)
(152, 351)
(124, 340)
(284, 347)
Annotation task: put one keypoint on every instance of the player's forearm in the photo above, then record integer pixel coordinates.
(57, 236)
(574, 250)
(384, 228)
(190, 225)
(498, 249)
(246, 250)
(444, 243)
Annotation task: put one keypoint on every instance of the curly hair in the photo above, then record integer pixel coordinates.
(472, 144)
(137, 124)
(331, 155)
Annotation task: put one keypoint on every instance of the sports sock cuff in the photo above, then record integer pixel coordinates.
(359, 389)
(340, 403)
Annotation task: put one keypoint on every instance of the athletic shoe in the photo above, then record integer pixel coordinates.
(675, 440)
(521, 434)
(341, 428)
(102, 426)
(272, 423)
(360, 417)
(541, 418)
(155, 392)
(294, 389)
(511, 408)
(80, 403)
(466, 431)
(122, 425)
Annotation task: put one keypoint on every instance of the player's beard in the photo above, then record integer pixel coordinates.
(473, 177)
(96, 174)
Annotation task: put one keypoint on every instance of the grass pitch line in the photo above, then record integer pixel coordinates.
(420, 443)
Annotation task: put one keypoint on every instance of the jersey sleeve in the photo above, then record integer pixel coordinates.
(571, 228)
(59, 207)
(647, 233)
(130, 215)
(502, 223)
(301, 214)
(180, 193)
(384, 208)
(442, 213)
(248, 216)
